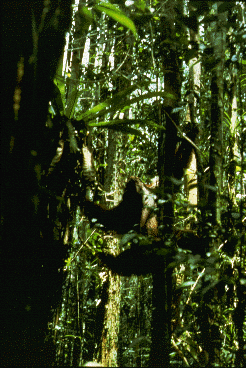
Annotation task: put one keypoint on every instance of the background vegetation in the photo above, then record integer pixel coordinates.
(136, 78)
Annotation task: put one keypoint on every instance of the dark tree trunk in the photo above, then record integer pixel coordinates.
(162, 280)
(30, 53)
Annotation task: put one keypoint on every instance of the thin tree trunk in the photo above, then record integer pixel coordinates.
(111, 321)
(217, 111)
(191, 179)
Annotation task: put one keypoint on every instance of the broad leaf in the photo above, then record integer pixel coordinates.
(112, 11)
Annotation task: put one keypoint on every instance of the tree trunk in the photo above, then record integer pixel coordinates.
(217, 111)
(191, 178)
(162, 281)
(31, 47)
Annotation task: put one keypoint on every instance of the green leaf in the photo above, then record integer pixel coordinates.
(119, 101)
(187, 284)
(126, 129)
(112, 124)
(151, 95)
(112, 11)
(120, 122)
(140, 4)
(72, 102)
(225, 6)
(109, 104)
(57, 101)
(86, 19)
